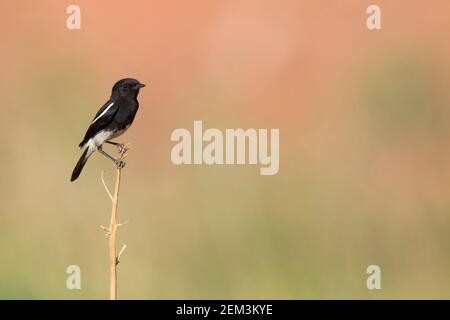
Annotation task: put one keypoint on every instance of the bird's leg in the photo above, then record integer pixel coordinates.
(119, 163)
(120, 146)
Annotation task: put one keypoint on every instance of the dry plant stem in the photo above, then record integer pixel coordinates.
(112, 230)
(112, 240)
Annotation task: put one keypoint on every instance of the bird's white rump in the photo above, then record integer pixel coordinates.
(235, 142)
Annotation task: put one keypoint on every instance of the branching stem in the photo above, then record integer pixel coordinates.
(114, 258)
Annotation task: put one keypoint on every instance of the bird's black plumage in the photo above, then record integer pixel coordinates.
(110, 109)
(113, 119)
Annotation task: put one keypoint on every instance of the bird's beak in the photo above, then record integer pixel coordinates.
(139, 85)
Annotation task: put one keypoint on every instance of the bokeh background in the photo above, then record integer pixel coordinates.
(364, 149)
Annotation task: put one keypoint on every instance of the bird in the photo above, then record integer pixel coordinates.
(111, 121)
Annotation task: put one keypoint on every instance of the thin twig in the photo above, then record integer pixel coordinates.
(106, 188)
(120, 253)
(122, 223)
(112, 241)
(111, 231)
(107, 231)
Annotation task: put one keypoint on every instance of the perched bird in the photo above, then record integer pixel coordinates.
(112, 120)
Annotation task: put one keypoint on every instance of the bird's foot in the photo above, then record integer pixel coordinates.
(119, 164)
(120, 147)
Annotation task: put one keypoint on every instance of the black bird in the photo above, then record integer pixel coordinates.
(113, 119)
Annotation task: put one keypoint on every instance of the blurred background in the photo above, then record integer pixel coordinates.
(364, 150)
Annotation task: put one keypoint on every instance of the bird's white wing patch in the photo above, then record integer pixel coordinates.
(103, 113)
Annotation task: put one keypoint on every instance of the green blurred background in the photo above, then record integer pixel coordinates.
(364, 150)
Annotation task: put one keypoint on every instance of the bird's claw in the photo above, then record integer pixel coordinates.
(120, 147)
(119, 164)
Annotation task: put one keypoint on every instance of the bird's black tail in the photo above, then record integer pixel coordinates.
(80, 164)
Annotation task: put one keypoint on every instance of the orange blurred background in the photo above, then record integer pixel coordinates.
(364, 149)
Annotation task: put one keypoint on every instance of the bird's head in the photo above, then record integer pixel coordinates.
(128, 87)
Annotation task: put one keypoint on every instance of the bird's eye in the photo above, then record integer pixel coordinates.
(125, 86)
